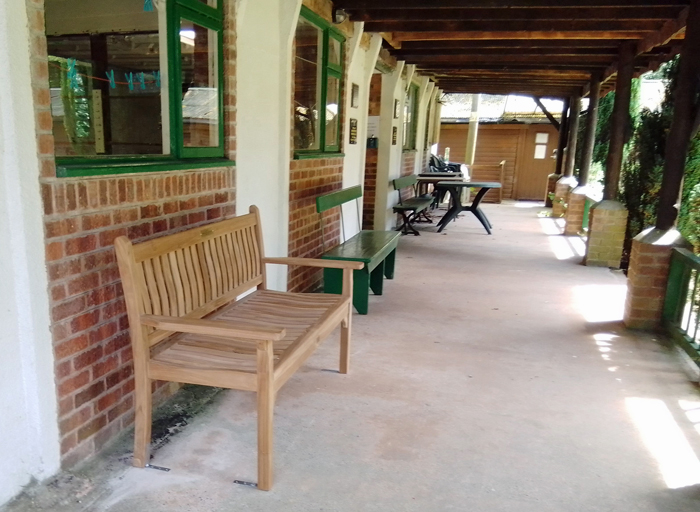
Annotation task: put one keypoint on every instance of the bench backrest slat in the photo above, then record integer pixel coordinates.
(193, 272)
(328, 201)
(406, 181)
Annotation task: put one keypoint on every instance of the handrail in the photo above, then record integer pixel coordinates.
(681, 313)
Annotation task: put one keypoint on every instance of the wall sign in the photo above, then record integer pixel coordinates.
(353, 131)
(394, 135)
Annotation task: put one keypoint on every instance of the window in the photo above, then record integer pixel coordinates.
(318, 84)
(410, 118)
(135, 79)
(541, 140)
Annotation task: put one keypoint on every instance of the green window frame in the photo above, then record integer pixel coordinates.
(329, 71)
(201, 13)
(410, 121)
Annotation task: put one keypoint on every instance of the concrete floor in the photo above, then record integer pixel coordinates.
(493, 375)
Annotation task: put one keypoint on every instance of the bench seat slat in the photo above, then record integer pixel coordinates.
(366, 246)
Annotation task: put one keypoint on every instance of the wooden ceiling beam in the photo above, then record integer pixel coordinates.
(501, 44)
(541, 52)
(532, 25)
(505, 60)
(453, 4)
(516, 13)
(521, 35)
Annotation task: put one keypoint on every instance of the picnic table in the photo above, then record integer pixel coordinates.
(456, 207)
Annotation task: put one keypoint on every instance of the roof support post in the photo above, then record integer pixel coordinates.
(684, 113)
(620, 119)
(573, 135)
(473, 131)
(589, 136)
(563, 136)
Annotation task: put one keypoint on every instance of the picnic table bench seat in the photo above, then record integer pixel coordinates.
(200, 313)
(375, 248)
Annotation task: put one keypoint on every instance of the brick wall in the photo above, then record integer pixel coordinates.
(408, 163)
(370, 189)
(308, 180)
(82, 216)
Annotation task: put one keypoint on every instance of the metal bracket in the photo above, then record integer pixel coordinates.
(247, 484)
(159, 468)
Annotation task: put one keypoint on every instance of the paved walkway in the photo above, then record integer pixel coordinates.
(493, 375)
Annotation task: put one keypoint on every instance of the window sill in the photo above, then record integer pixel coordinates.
(102, 168)
(317, 155)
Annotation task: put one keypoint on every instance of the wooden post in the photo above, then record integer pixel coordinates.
(589, 136)
(620, 119)
(563, 136)
(473, 131)
(684, 111)
(573, 135)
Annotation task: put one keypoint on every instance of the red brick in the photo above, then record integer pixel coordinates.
(92, 427)
(74, 421)
(74, 383)
(54, 251)
(150, 211)
(84, 283)
(68, 308)
(105, 366)
(103, 332)
(85, 321)
(88, 358)
(90, 393)
(119, 376)
(107, 237)
(108, 400)
(97, 221)
(81, 245)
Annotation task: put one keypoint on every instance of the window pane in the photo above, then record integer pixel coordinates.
(334, 47)
(210, 3)
(332, 111)
(307, 85)
(106, 92)
(200, 85)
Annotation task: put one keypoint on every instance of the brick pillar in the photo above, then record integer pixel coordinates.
(606, 234)
(562, 189)
(648, 276)
(574, 211)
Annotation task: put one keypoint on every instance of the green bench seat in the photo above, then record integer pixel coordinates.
(376, 249)
(410, 209)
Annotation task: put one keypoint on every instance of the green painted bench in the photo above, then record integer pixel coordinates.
(376, 249)
(412, 208)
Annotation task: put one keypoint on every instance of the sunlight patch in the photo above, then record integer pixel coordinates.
(600, 303)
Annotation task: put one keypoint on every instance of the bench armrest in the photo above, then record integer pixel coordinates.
(212, 327)
(310, 262)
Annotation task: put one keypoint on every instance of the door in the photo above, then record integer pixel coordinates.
(536, 162)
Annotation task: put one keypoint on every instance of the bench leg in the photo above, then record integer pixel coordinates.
(266, 404)
(142, 419)
(333, 280)
(360, 291)
(345, 332)
(389, 264)
(376, 279)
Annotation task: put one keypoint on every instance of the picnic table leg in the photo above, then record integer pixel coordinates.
(376, 279)
(389, 264)
(479, 214)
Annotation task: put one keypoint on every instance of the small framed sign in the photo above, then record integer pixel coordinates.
(353, 131)
(355, 96)
(397, 109)
(394, 136)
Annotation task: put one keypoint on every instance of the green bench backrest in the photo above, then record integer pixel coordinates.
(406, 181)
(328, 201)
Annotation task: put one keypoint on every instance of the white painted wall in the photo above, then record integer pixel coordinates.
(263, 119)
(361, 65)
(29, 443)
(388, 156)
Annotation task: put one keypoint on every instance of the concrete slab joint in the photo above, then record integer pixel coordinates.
(562, 189)
(647, 277)
(606, 234)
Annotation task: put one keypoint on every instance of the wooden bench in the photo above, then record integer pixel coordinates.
(376, 249)
(413, 207)
(188, 324)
